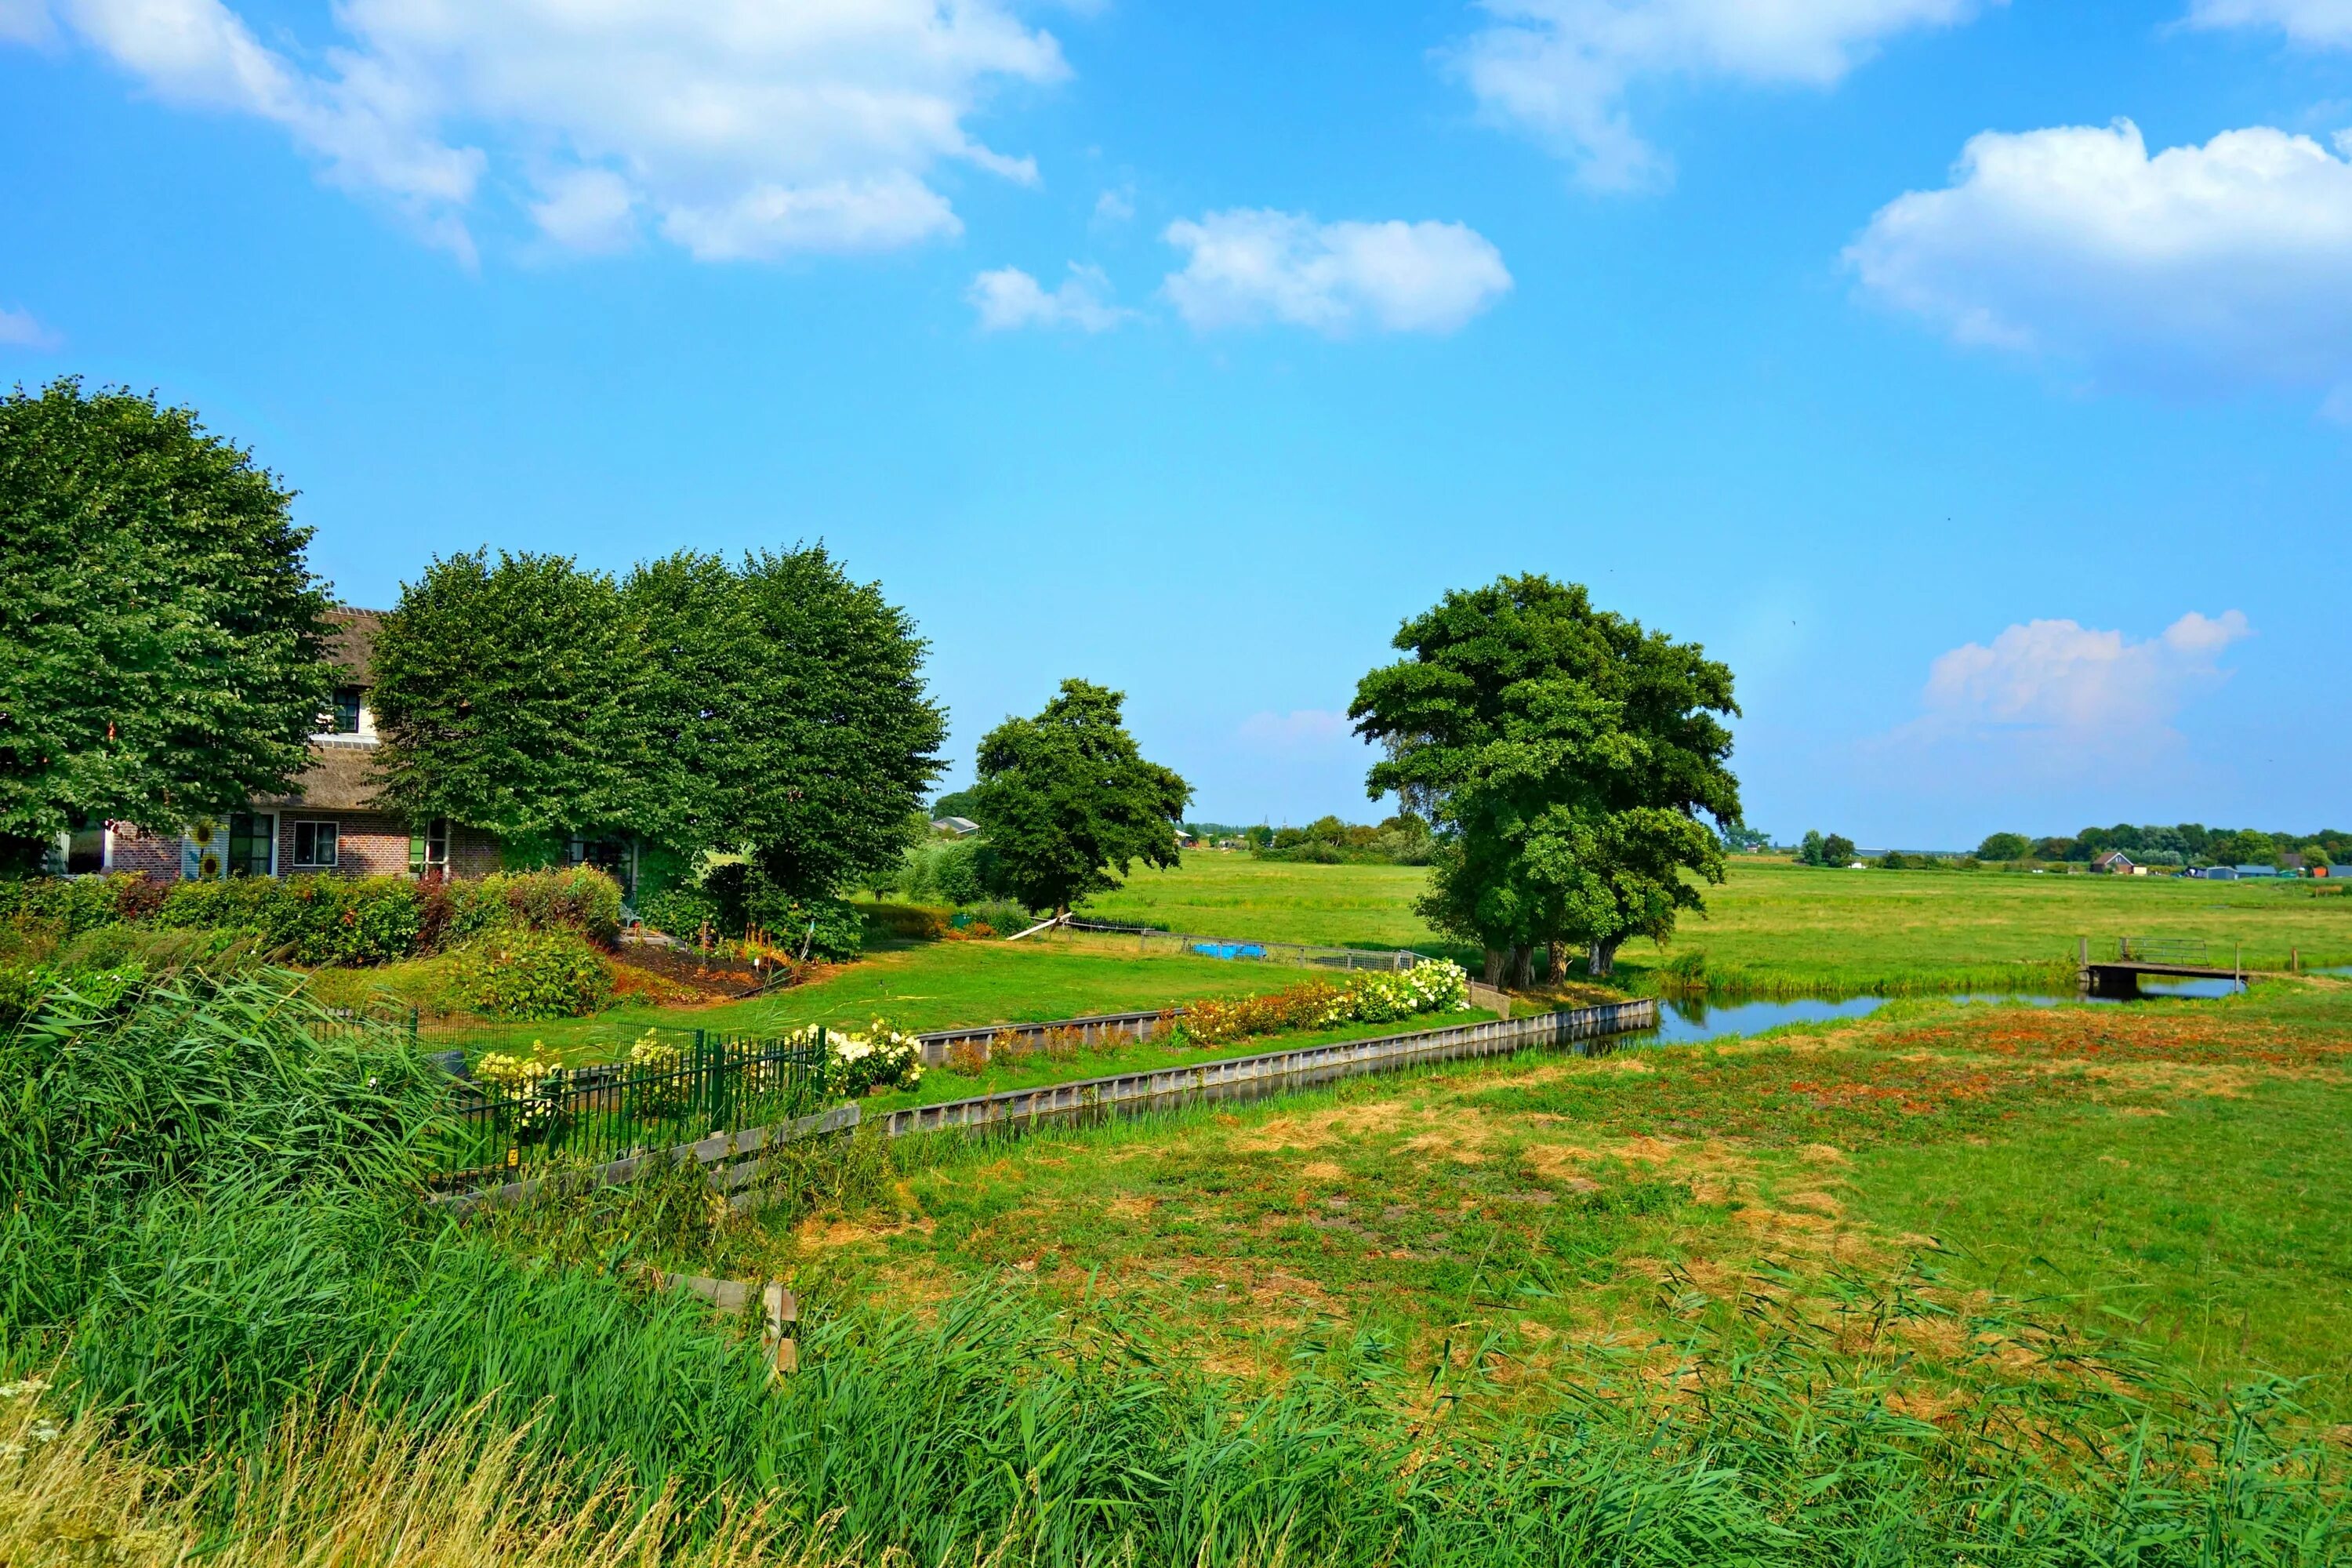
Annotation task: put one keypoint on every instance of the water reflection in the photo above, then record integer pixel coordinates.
(1686, 1019)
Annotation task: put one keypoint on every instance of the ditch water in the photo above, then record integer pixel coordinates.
(1688, 1020)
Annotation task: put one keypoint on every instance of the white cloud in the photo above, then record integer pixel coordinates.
(587, 209)
(1009, 298)
(2224, 265)
(1559, 69)
(1248, 267)
(21, 328)
(2066, 679)
(745, 128)
(1116, 205)
(2325, 23)
(1301, 729)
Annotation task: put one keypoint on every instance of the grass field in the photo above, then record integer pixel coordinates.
(1774, 926)
(2169, 1176)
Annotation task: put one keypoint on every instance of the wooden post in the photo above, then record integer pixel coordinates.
(2294, 961)
(783, 1311)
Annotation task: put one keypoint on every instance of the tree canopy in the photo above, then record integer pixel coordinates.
(1069, 802)
(772, 709)
(161, 639)
(2005, 847)
(789, 716)
(509, 696)
(1564, 754)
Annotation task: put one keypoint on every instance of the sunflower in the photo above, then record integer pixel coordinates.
(209, 867)
(201, 835)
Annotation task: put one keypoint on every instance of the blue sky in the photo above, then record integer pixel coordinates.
(1975, 377)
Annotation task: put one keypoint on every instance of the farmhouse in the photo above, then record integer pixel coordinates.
(330, 822)
(2115, 863)
(956, 826)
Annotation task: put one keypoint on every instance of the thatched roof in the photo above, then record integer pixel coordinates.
(340, 777)
(350, 643)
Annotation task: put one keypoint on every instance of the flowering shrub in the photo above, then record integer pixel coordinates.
(857, 1065)
(532, 975)
(1380, 997)
(531, 1084)
(1387, 996)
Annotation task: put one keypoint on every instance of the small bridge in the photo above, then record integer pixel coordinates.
(2176, 958)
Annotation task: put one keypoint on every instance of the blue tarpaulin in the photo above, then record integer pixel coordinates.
(1229, 949)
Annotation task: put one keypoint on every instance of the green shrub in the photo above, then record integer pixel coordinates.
(532, 975)
(308, 919)
(71, 905)
(580, 899)
(829, 928)
(684, 912)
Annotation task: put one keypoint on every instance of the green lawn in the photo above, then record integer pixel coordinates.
(918, 987)
(1774, 926)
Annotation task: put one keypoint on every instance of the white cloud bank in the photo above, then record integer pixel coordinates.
(1009, 298)
(1247, 267)
(1559, 69)
(2066, 679)
(737, 128)
(2197, 269)
(22, 330)
(2323, 23)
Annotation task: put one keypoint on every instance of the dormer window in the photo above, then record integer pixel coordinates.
(344, 718)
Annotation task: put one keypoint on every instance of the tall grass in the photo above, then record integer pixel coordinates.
(234, 1278)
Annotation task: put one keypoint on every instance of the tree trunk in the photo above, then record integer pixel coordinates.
(1603, 958)
(1522, 966)
(1552, 965)
(1494, 967)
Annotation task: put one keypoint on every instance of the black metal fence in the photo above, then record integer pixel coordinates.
(674, 1092)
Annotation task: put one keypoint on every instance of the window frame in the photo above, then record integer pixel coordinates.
(262, 828)
(334, 847)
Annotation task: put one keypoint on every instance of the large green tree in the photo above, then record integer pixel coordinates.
(161, 639)
(509, 696)
(1070, 803)
(1566, 756)
(789, 715)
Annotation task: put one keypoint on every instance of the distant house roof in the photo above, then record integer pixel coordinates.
(350, 643)
(2112, 858)
(2255, 870)
(961, 827)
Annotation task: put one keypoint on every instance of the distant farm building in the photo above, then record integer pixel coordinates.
(956, 826)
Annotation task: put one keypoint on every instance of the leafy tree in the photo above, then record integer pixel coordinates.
(161, 639)
(1564, 754)
(2004, 846)
(1738, 838)
(1809, 852)
(788, 715)
(1837, 849)
(2058, 849)
(959, 802)
(1070, 803)
(509, 696)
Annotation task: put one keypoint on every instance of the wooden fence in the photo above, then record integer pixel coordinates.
(1244, 1077)
(733, 1161)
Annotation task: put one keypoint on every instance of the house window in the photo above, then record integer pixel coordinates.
(344, 718)
(428, 852)
(86, 851)
(314, 845)
(252, 844)
(617, 857)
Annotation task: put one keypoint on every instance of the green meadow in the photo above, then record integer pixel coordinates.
(1778, 928)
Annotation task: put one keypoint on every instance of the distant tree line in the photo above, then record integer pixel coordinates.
(1404, 839)
(2186, 844)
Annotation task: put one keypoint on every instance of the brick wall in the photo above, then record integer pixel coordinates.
(472, 853)
(152, 855)
(369, 845)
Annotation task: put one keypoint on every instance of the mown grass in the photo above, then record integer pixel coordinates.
(1774, 928)
(917, 986)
